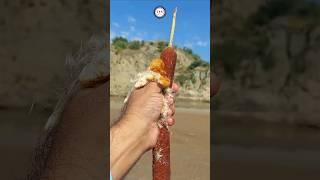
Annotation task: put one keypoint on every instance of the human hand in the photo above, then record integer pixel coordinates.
(144, 107)
(137, 130)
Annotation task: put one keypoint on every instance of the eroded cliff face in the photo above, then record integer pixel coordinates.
(192, 77)
(268, 66)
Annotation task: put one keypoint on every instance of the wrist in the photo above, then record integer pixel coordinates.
(127, 144)
(137, 129)
(131, 132)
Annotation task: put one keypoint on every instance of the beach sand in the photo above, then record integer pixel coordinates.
(237, 153)
(19, 134)
(190, 145)
(230, 162)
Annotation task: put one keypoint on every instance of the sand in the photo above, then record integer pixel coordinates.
(242, 163)
(237, 153)
(18, 138)
(190, 146)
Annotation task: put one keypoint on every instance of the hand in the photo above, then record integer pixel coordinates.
(143, 108)
(137, 130)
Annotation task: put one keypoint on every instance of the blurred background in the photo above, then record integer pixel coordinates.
(36, 37)
(266, 117)
(138, 37)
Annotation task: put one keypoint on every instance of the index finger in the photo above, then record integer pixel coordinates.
(175, 87)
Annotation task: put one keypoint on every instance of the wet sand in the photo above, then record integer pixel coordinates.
(264, 151)
(239, 151)
(190, 146)
(231, 162)
(20, 130)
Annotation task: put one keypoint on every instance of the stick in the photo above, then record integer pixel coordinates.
(173, 26)
(161, 152)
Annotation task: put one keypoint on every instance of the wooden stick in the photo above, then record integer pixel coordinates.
(161, 152)
(173, 27)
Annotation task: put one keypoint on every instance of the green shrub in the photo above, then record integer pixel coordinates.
(181, 79)
(193, 78)
(197, 63)
(194, 65)
(190, 52)
(271, 10)
(187, 50)
(134, 45)
(232, 54)
(196, 57)
(162, 45)
(120, 43)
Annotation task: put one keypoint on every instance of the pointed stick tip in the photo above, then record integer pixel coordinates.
(173, 27)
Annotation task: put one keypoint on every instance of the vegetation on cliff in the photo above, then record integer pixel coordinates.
(192, 73)
(267, 56)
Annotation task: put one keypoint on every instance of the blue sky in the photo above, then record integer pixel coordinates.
(134, 19)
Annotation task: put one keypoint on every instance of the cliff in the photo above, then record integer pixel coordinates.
(192, 74)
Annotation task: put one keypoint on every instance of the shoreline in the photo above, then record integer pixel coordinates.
(294, 119)
(185, 104)
(178, 97)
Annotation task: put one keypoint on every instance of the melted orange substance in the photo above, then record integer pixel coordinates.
(157, 66)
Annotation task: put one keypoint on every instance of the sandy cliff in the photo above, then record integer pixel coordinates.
(193, 77)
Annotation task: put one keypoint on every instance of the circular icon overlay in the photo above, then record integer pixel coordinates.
(159, 12)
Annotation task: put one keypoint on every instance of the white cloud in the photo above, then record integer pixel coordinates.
(117, 25)
(190, 44)
(131, 19)
(132, 28)
(124, 34)
(202, 43)
(136, 38)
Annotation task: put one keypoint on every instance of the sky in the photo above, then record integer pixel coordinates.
(135, 20)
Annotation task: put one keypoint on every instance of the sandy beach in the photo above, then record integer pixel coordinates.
(238, 151)
(190, 145)
(18, 138)
(231, 162)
